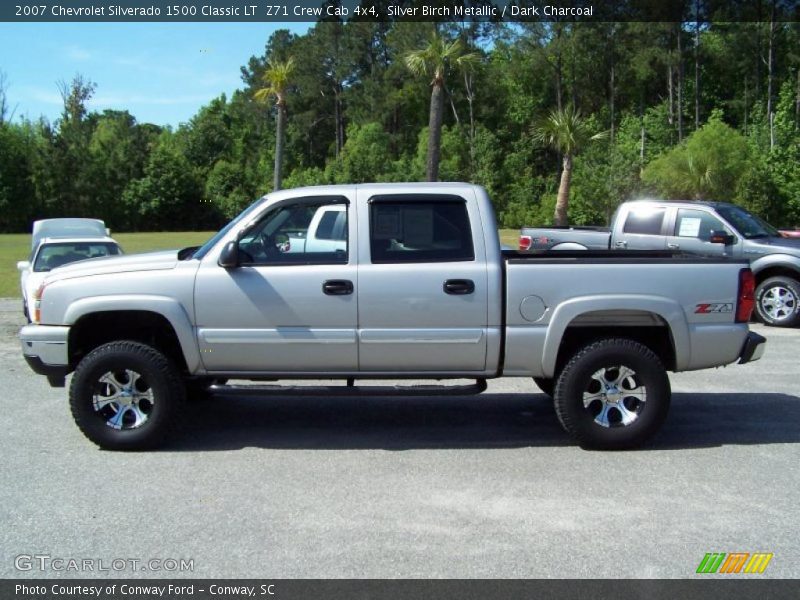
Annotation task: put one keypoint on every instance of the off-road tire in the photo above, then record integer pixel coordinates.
(577, 384)
(163, 384)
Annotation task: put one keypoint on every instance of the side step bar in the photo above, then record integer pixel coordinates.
(350, 390)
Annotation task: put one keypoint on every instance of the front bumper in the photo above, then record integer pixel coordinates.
(45, 350)
(753, 348)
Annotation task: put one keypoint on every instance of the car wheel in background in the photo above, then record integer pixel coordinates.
(778, 301)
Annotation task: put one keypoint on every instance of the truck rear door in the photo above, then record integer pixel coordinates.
(641, 227)
(422, 281)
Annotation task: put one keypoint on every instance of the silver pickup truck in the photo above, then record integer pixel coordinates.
(698, 227)
(420, 289)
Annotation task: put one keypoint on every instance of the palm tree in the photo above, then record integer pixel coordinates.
(566, 132)
(276, 79)
(435, 59)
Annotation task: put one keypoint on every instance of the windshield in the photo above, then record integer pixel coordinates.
(747, 224)
(204, 249)
(55, 255)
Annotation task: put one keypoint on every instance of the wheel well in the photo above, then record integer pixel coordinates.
(656, 337)
(96, 329)
(777, 272)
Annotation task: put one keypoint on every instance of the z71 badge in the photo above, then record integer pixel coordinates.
(717, 307)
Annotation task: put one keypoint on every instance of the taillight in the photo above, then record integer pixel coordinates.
(36, 316)
(525, 242)
(746, 301)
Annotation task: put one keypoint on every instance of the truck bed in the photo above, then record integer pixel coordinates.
(549, 291)
(542, 238)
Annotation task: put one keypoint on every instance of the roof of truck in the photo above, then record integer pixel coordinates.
(710, 203)
(68, 227)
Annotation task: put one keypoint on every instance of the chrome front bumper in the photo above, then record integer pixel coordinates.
(45, 350)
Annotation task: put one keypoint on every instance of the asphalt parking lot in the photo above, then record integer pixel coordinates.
(456, 487)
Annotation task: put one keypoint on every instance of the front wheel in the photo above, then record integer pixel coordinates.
(126, 396)
(612, 395)
(778, 301)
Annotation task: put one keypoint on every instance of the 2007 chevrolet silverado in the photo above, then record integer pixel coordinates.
(416, 286)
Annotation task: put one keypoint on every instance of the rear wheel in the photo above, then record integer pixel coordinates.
(613, 394)
(778, 301)
(126, 396)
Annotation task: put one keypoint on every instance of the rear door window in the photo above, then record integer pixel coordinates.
(419, 229)
(645, 221)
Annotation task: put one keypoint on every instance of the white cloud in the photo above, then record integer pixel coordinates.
(40, 95)
(77, 53)
(106, 100)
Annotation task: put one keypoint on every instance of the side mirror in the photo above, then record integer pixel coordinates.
(229, 257)
(23, 265)
(720, 237)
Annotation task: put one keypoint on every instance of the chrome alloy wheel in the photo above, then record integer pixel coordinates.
(123, 399)
(778, 302)
(615, 396)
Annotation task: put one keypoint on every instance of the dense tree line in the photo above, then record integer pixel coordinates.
(690, 110)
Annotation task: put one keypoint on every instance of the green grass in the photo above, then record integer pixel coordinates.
(133, 243)
(16, 246)
(509, 237)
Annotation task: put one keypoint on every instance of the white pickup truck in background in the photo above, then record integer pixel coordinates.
(389, 281)
(58, 242)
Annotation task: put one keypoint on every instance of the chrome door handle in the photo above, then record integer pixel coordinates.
(621, 244)
(674, 246)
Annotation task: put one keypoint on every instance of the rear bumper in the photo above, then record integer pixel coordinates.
(753, 348)
(45, 350)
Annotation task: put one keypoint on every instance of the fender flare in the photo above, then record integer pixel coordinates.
(169, 308)
(769, 261)
(566, 312)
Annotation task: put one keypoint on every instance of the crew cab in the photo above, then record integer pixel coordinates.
(696, 227)
(420, 289)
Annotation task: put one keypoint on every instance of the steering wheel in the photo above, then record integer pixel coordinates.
(270, 248)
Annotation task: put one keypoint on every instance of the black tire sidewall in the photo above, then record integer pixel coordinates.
(575, 377)
(153, 367)
(764, 287)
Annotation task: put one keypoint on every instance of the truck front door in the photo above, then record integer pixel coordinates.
(283, 308)
(692, 233)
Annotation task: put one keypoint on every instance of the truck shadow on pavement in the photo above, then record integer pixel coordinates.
(484, 421)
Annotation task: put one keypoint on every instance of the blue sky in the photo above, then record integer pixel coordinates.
(161, 72)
